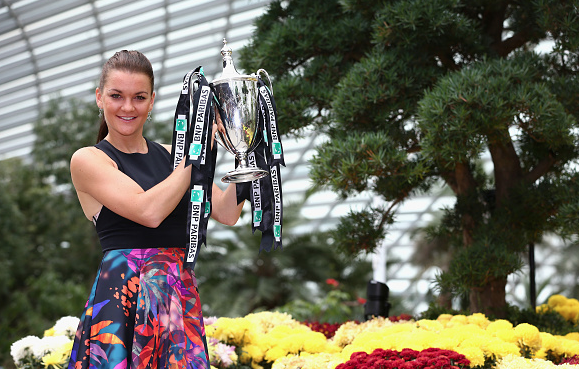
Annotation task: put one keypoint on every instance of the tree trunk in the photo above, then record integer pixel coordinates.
(490, 299)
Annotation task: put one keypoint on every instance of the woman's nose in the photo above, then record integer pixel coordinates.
(128, 105)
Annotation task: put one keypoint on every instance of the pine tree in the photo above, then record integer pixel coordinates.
(413, 92)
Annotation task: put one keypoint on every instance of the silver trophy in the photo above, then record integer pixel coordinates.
(238, 108)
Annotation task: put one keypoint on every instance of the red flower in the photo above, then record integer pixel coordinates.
(432, 358)
(361, 300)
(332, 282)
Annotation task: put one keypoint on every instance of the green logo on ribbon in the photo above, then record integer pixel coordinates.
(207, 207)
(277, 230)
(181, 125)
(257, 216)
(196, 195)
(277, 148)
(195, 149)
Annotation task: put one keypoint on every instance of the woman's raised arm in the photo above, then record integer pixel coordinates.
(98, 182)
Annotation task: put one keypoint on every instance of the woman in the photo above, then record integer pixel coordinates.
(144, 308)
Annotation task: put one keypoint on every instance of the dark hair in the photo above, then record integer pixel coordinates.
(128, 61)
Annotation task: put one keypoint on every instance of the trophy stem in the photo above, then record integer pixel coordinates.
(243, 172)
(242, 157)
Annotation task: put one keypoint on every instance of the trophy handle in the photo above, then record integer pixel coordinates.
(264, 72)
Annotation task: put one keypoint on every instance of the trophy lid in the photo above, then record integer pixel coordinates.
(229, 71)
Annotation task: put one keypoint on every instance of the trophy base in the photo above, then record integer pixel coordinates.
(241, 175)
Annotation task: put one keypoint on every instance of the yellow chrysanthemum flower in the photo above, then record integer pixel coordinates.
(430, 325)
(350, 349)
(548, 341)
(478, 319)
(291, 344)
(569, 312)
(49, 332)
(557, 300)
(275, 353)
(528, 335)
(473, 354)
(445, 343)
(58, 358)
(502, 349)
(319, 344)
(444, 319)
(279, 332)
(567, 347)
(507, 335)
(236, 331)
(265, 321)
(457, 320)
(475, 341)
(541, 309)
(418, 340)
(462, 332)
(499, 325)
(317, 361)
(572, 336)
(348, 331)
(210, 330)
(252, 353)
(540, 354)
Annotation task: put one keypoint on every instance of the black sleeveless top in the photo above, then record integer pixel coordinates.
(117, 232)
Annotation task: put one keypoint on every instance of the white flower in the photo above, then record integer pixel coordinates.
(23, 347)
(49, 344)
(66, 326)
(209, 320)
(225, 353)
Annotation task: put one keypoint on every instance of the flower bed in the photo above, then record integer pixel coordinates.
(277, 341)
(52, 351)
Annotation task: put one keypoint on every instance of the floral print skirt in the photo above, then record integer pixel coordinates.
(143, 312)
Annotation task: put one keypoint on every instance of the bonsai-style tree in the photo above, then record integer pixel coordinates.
(412, 93)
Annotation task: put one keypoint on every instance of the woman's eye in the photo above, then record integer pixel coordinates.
(116, 96)
(140, 97)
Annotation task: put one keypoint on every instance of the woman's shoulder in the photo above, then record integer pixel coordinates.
(89, 155)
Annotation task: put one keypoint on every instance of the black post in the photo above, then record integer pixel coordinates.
(377, 302)
(532, 284)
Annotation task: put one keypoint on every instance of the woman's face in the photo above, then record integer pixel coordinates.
(126, 99)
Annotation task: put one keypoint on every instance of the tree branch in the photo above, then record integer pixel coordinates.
(507, 165)
(543, 167)
(505, 47)
(465, 183)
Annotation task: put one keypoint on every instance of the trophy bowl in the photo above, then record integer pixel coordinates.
(237, 106)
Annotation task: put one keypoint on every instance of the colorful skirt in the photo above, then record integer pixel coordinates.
(143, 312)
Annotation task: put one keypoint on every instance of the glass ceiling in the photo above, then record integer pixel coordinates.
(56, 48)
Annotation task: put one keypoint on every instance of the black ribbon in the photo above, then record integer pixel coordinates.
(265, 194)
(191, 133)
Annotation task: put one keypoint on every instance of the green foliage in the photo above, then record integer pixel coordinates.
(335, 307)
(411, 93)
(236, 279)
(49, 254)
(548, 321)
